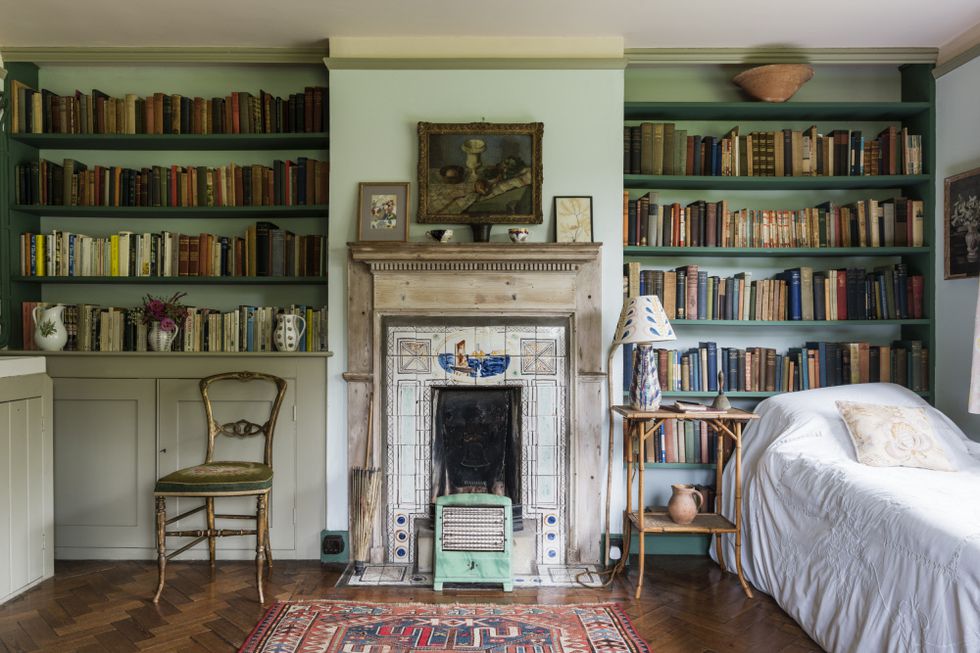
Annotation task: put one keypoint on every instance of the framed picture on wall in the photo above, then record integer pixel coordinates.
(961, 233)
(382, 211)
(480, 173)
(573, 219)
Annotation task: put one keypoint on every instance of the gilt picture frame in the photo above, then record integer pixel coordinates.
(573, 219)
(480, 173)
(382, 211)
(961, 228)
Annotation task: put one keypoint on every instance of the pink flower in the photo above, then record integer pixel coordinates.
(168, 325)
(156, 308)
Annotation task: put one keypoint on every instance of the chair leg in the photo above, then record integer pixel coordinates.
(268, 541)
(161, 505)
(211, 537)
(261, 524)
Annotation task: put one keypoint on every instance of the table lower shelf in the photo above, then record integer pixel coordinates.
(660, 522)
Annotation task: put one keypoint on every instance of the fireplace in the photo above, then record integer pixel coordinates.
(476, 443)
(524, 319)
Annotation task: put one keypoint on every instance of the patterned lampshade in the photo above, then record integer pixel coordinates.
(643, 320)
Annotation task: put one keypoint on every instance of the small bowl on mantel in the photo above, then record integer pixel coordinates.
(774, 82)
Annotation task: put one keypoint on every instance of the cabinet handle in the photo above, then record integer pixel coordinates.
(163, 451)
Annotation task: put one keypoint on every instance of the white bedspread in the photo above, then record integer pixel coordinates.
(866, 559)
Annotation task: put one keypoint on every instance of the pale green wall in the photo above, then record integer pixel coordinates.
(957, 150)
(373, 117)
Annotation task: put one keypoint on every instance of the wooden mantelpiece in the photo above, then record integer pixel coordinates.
(490, 280)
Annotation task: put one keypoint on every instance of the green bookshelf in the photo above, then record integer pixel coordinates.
(799, 323)
(223, 293)
(802, 111)
(770, 252)
(695, 182)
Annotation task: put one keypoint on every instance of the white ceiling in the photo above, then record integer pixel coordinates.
(642, 23)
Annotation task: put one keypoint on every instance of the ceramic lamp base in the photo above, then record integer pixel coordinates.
(645, 386)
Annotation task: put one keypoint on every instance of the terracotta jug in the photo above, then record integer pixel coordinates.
(684, 505)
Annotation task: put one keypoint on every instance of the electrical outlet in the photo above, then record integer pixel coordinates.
(334, 546)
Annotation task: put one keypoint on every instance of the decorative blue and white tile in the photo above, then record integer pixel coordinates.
(513, 336)
(391, 336)
(545, 400)
(408, 392)
(407, 433)
(490, 339)
(546, 430)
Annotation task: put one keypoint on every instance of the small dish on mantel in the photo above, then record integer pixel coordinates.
(774, 82)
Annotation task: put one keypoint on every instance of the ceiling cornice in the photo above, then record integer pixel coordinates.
(369, 63)
(661, 56)
(90, 55)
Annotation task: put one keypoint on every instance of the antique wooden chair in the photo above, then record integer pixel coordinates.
(217, 478)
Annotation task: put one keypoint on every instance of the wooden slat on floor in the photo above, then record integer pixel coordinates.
(688, 606)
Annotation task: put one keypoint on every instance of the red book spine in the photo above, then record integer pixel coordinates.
(841, 295)
(916, 288)
(235, 119)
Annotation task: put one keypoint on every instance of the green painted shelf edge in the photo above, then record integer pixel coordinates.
(695, 182)
(190, 281)
(808, 111)
(175, 142)
(189, 354)
(710, 466)
(771, 252)
(783, 323)
(313, 211)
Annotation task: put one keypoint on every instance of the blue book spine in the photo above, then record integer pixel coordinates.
(792, 278)
(71, 255)
(712, 355)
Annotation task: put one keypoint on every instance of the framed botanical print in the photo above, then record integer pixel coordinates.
(961, 232)
(573, 219)
(382, 211)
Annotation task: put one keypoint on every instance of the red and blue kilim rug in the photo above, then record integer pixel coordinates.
(358, 627)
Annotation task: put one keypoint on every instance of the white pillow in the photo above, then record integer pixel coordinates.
(893, 436)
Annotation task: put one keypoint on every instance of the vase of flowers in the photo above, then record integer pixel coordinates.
(965, 218)
(163, 317)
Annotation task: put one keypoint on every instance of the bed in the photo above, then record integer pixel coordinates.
(865, 558)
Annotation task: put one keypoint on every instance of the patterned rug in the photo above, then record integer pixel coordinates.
(352, 626)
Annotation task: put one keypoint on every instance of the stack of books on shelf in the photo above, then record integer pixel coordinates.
(687, 292)
(896, 222)
(241, 112)
(683, 441)
(815, 365)
(246, 329)
(303, 182)
(264, 251)
(661, 149)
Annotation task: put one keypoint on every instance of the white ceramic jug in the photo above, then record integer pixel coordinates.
(287, 336)
(50, 333)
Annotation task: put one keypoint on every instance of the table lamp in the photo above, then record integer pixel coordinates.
(643, 322)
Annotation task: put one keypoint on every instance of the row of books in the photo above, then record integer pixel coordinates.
(896, 222)
(264, 251)
(286, 183)
(815, 365)
(684, 441)
(245, 329)
(661, 149)
(241, 112)
(687, 292)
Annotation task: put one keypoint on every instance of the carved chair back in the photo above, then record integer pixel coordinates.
(242, 428)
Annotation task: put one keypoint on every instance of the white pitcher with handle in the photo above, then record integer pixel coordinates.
(50, 333)
(287, 336)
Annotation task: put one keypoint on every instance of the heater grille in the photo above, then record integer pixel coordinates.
(474, 528)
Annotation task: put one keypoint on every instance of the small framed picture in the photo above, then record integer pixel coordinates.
(573, 219)
(961, 234)
(382, 211)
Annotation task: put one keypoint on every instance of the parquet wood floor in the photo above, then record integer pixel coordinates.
(688, 606)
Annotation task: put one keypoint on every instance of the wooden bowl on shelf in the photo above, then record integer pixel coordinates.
(774, 82)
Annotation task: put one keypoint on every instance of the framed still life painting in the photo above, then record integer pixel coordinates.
(480, 173)
(961, 232)
(573, 219)
(382, 211)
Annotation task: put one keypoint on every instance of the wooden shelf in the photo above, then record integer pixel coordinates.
(165, 212)
(694, 182)
(710, 466)
(174, 142)
(660, 522)
(805, 111)
(188, 354)
(806, 323)
(769, 252)
(189, 281)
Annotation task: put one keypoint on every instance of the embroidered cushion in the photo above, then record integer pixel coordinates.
(224, 476)
(893, 436)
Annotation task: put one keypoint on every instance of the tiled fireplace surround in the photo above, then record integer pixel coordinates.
(532, 313)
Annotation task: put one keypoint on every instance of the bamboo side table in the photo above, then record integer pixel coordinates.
(638, 426)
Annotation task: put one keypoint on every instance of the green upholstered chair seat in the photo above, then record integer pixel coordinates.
(224, 476)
